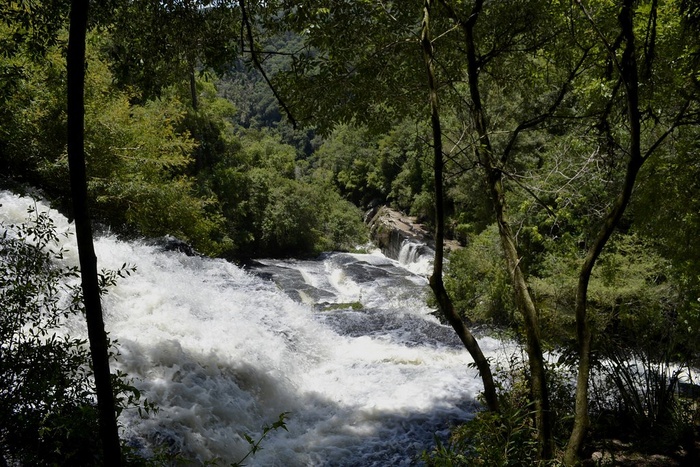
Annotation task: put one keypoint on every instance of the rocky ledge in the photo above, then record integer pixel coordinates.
(390, 229)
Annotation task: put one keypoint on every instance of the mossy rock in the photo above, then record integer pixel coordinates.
(356, 306)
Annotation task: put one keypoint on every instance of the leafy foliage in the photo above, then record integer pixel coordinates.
(507, 437)
(159, 166)
(477, 278)
(271, 211)
(47, 402)
(156, 44)
(255, 443)
(169, 153)
(46, 411)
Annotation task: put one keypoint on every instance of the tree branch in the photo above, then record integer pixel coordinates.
(675, 124)
(552, 108)
(258, 65)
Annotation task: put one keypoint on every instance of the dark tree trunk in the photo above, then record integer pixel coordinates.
(630, 79)
(193, 89)
(88, 262)
(436, 282)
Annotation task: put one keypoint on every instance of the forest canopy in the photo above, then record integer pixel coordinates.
(167, 154)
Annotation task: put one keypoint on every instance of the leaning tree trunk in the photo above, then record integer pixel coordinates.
(627, 68)
(524, 302)
(526, 307)
(88, 262)
(436, 281)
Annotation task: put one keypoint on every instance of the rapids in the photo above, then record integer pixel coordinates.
(344, 343)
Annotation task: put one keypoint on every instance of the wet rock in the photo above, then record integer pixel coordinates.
(170, 243)
(391, 229)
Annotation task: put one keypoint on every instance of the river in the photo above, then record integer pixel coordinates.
(345, 344)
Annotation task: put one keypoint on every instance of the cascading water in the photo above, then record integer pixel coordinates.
(344, 344)
(416, 257)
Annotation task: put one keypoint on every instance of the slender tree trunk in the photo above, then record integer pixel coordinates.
(193, 89)
(88, 262)
(436, 281)
(527, 308)
(247, 24)
(630, 79)
(583, 331)
(524, 302)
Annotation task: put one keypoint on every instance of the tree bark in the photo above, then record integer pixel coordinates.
(523, 300)
(436, 281)
(193, 89)
(494, 179)
(527, 308)
(88, 262)
(630, 79)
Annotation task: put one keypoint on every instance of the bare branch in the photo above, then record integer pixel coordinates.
(675, 124)
(258, 65)
(530, 192)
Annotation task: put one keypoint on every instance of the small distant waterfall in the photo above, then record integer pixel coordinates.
(416, 257)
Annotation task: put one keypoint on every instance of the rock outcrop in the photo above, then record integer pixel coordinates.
(391, 230)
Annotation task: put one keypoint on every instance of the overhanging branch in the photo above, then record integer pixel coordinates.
(258, 64)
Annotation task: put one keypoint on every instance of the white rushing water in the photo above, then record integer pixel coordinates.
(416, 257)
(344, 344)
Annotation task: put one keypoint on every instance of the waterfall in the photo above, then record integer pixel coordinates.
(345, 344)
(416, 257)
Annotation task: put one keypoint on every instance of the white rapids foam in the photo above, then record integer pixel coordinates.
(223, 352)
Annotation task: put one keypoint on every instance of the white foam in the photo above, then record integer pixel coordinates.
(222, 353)
(413, 257)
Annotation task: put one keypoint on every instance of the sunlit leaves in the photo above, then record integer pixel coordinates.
(272, 210)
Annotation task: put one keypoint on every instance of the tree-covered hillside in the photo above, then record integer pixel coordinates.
(166, 152)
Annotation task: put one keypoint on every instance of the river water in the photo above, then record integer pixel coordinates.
(345, 344)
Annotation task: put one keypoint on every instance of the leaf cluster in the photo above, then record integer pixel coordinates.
(47, 399)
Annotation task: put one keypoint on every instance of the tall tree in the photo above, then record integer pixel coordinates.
(374, 71)
(494, 175)
(633, 68)
(88, 261)
(436, 279)
(522, 33)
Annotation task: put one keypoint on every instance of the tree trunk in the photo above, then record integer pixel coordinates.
(193, 89)
(436, 282)
(526, 307)
(630, 79)
(88, 262)
(524, 302)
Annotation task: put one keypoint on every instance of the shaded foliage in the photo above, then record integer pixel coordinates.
(48, 414)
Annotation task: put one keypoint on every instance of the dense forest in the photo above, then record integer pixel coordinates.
(556, 141)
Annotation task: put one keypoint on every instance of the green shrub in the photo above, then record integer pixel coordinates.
(272, 211)
(45, 413)
(635, 398)
(47, 400)
(478, 280)
(508, 437)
